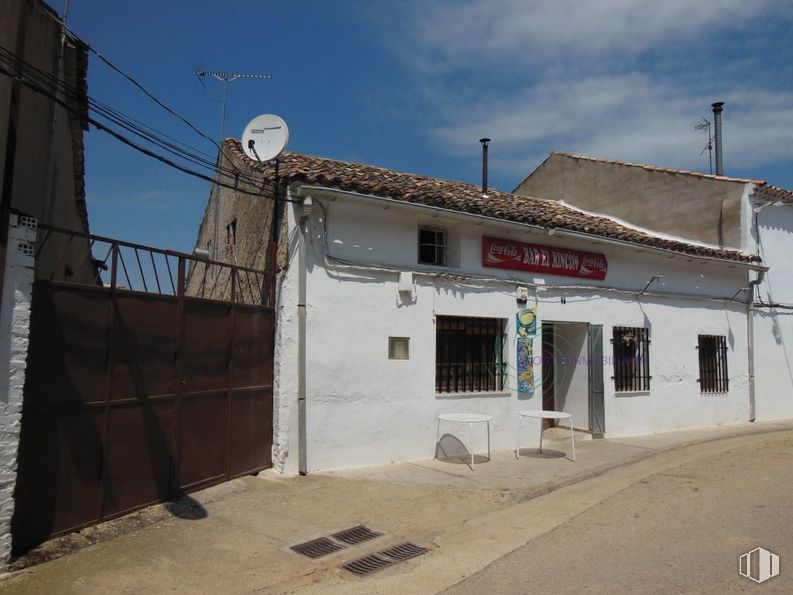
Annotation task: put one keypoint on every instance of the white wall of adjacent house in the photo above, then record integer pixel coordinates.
(365, 409)
(773, 326)
(14, 327)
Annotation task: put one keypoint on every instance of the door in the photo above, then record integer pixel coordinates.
(597, 422)
(548, 371)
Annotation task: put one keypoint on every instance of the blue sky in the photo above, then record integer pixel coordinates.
(413, 85)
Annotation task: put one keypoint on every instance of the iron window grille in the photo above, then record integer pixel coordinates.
(713, 376)
(469, 354)
(432, 246)
(631, 358)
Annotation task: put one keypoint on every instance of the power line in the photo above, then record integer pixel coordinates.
(150, 95)
(45, 80)
(123, 139)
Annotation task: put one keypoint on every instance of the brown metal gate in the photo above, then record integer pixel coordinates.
(135, 396)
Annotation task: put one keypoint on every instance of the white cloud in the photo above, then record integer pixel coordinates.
(449, 35)
(621, 79)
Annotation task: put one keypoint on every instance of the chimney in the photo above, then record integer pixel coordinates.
(485, 142)
(717, 109)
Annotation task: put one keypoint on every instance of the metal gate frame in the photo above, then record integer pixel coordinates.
(96, 399)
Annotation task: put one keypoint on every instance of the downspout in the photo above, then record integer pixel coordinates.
(750, 334)
(305, 215)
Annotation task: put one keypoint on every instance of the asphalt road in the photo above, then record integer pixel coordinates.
(680, 531)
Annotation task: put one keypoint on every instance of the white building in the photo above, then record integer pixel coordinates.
(750, 215)
(410, 288)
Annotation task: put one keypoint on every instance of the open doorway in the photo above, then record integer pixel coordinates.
(565, 371)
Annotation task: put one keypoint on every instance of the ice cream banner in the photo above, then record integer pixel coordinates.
(526, 322)
(537, 258)
(525, 368)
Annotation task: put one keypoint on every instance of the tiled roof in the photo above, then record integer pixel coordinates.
(467, 198)
(773, 194)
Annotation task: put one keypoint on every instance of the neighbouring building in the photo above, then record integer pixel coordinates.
(43, 114)
(750, 215)
(403, 297)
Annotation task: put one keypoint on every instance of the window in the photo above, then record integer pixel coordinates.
(469, 354)
(631, 358)
(713, 376)
(398, 347)
(231, 233)
(432, 246)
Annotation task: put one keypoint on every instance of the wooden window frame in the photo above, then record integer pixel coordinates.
(439, 248)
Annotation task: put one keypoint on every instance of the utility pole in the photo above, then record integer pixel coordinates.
(225, 78)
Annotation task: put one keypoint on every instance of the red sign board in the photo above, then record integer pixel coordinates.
(519, 256)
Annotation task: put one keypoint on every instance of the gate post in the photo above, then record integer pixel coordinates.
(14, 328)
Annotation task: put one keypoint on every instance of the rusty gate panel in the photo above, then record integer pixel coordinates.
(58, 481)
(250, 442)
(133, 396)
(143, 347)
(73, 325)
(206, 345)
(202, 451)
(138, 461)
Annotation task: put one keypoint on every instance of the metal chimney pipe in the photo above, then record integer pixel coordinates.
(485, 142)
(717, 109)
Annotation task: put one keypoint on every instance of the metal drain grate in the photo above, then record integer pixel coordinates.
(404, 551)
(317, 547)
(356, 535)
(368, 564)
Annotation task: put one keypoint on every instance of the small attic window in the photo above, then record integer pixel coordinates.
(231, 233)
(432, 245)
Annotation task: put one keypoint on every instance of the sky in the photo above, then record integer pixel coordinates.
(412, 86)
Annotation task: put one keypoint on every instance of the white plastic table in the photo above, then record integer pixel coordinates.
(470, 419)
(545, 414)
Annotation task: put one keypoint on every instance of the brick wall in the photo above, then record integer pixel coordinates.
(14, 327)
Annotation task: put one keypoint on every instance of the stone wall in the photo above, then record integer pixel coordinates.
(245, 231)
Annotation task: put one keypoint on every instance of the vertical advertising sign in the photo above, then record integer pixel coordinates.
(525, 331)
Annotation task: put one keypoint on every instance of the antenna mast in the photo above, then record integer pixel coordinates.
(225, 78)
(705, 125)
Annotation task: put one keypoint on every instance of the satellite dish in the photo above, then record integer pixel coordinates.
(265, 137)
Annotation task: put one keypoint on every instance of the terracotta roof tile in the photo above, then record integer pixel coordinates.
(468, 198)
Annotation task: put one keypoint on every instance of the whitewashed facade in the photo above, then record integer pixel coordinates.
(362, 408)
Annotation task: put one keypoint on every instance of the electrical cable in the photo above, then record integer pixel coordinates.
(133, 81)
(123, 139)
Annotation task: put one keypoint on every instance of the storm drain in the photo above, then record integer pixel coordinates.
(317, 547)
(380, 560)
(404, 551)
(356, 535)
(368, 564)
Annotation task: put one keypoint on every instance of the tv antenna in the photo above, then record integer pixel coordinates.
(225, 78)
(705, 125)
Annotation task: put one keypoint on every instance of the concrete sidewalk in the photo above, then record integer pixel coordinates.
(467, 518)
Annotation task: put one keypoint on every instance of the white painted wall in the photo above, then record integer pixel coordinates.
(364, 409)
(571, 381)
(774, 326)
(14, 325)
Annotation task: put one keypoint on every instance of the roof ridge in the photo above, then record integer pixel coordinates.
(672, 170)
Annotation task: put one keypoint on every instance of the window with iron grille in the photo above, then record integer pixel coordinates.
(631, 358)
(432, 246)
(469, 354)
(713, 376)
